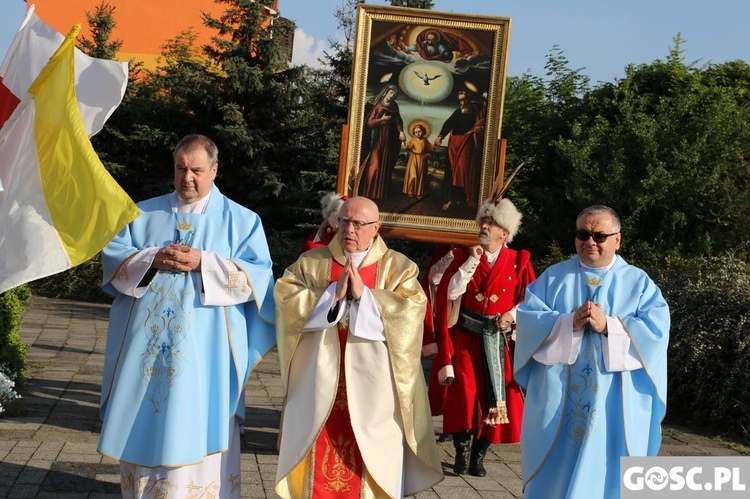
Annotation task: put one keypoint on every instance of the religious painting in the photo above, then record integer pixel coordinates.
(424, 119)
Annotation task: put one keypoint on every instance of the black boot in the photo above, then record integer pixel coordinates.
(476, 461)
(462, 443)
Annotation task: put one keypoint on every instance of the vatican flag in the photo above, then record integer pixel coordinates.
(59, 206)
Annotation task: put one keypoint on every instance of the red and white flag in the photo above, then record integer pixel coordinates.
(100, 84)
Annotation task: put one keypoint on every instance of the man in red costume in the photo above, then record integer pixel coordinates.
(476, 299)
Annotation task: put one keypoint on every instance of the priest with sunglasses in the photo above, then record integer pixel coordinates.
(592, 355)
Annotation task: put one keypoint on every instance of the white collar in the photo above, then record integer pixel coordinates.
(492, 257)
(606, 267)
(194, 207)
(358, 257)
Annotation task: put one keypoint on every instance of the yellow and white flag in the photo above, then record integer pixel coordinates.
(59, 206)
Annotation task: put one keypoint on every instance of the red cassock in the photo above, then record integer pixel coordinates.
(491, 292)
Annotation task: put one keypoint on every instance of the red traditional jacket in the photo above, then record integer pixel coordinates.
(490, 292)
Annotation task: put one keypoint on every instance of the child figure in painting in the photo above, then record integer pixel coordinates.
(415, 178)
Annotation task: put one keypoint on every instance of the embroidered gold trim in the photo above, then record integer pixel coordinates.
(338, 469)
(233, 280)
(594, 281)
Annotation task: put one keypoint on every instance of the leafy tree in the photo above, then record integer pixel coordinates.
(733, 74)
(668, 148)
(537, 112)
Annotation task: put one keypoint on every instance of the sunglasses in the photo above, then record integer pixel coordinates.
(599, 237)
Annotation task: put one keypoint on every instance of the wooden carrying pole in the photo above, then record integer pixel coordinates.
(501, 147)
(341, 181)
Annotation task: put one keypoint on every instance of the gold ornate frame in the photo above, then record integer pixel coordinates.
(465, 53)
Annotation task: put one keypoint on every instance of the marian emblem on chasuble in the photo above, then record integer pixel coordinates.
(167, 325)
(581, 416)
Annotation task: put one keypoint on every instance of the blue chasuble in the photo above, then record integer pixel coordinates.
(175, 369)
(580, 418)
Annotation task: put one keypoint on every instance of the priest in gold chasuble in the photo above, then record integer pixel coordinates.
(356, 419)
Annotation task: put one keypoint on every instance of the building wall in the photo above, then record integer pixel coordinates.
(142, 25)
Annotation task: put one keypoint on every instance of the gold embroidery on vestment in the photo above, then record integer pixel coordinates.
(341, 402)
(335, 468)
(594, 281)
(154, 489)
(581, 415)
(233, 280)
(166, 326)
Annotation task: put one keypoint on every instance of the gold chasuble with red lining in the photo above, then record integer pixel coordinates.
(356, 419)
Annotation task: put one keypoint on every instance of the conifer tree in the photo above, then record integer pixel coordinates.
(102, 23)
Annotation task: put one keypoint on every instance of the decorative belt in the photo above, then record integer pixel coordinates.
(477, 324)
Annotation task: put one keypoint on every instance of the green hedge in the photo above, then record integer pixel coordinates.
(12, 350)
(709, 348)
(79, 283)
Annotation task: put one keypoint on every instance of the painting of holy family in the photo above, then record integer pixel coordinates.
(424, 119)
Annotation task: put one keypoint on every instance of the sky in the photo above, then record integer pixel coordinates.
(599, 37)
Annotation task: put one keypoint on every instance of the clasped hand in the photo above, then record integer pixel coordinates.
(177, 258)
(323, 230)
(590, 313)
(476, 251)
(349, 283)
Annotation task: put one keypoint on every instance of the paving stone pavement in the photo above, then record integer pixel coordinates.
(49, 452)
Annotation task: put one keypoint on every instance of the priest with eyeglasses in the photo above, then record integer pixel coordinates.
(591, 353)
(356, 420)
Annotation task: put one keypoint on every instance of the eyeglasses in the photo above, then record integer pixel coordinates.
(599, 237)
(344, 222)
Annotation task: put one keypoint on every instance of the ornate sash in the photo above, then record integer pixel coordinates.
(338, 468)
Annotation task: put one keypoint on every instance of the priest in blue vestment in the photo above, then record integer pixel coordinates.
(591, 352)
(192, 314)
